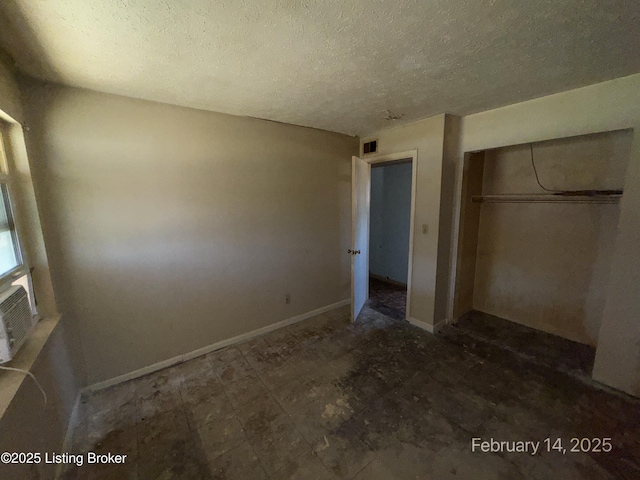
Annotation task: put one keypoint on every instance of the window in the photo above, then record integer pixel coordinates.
(14, 267)
(11, 261)
(10, 258)
(9, 252)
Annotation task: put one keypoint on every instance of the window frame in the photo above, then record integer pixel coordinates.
(7, 197)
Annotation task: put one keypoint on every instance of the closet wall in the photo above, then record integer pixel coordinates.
(545, 265)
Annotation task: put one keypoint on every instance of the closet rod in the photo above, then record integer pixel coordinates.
(546, 198)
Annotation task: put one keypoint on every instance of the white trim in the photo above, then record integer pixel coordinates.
(211, 348)
(353, 235)
(67, 445)
(390, 157)
(367, 233)
(455, 233)
(427, 326)
(414, 192)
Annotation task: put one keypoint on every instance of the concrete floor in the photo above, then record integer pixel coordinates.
(387, 298)
(380, 399)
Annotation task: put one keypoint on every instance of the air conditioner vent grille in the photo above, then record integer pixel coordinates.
(370, 147)
(12, 300)
(16, 315)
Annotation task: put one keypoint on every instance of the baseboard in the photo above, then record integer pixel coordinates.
(134, 374)
(74, 418)
(263, 331)
(211, 348)
(387, 280)
(427, 326)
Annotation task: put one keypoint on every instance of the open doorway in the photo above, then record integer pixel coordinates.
(383, 203)
(390, 220)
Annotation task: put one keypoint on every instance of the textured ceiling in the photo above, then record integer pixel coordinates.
(338, 65)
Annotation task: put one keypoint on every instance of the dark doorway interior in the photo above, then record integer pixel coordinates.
(389, 237)
(388, 298)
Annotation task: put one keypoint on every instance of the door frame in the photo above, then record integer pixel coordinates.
(391, 157)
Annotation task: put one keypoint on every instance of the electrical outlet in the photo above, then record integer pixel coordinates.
(287, 299)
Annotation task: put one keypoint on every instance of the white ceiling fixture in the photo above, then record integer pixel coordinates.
(333, 64)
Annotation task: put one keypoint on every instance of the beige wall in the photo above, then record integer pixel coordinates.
(170, 229)
(77, 127)
(618, 355)
(451, 153)
(602, 107)
(27, 425)
(10, 104)
(469, 225)
(547, 265)
(427, 136)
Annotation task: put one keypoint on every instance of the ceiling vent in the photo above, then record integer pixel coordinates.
(370, 147)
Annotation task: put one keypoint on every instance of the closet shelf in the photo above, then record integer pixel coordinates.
(546, 198)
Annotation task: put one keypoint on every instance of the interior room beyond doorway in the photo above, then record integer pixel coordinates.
(389, 236)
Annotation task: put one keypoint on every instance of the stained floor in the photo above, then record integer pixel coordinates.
(379, 399)
(573, 358)
(387, 298)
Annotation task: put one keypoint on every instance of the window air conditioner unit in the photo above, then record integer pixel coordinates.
(16, 321)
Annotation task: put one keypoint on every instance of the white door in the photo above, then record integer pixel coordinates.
(359, 251)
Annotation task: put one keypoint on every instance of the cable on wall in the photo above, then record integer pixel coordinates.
(535, 170)
(19, 370)
(569, 192)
